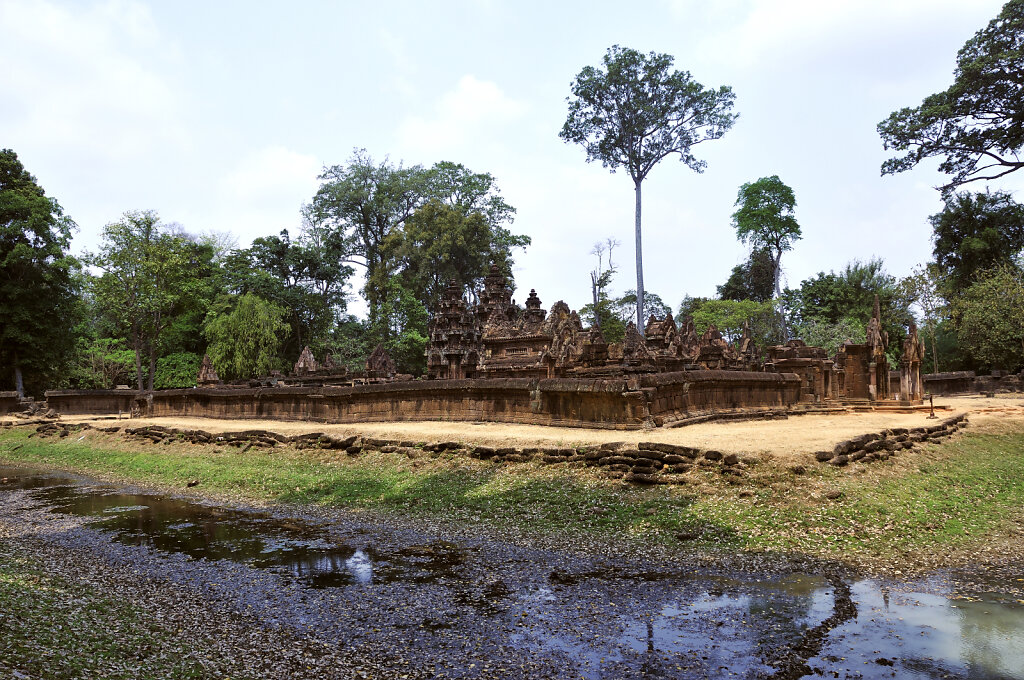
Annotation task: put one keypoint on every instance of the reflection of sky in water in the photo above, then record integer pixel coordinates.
(712, 629)
(360, 566)
(927, 636)
(705, 623)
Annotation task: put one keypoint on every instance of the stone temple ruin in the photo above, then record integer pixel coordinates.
(496, 339)
(495, 361)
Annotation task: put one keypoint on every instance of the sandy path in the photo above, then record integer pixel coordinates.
(796, 436)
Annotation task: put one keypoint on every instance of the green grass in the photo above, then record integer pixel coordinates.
(967, 491)
(941, 502)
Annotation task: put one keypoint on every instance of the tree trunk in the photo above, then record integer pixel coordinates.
(152, 365)
(137, 346)
(640, 325)
(778, 295)
(593, 287)
(19, 383)
(935, 352)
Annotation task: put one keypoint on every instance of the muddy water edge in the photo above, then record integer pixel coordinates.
(487, 608)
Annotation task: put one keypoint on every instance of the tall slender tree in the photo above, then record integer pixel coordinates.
(636, 111)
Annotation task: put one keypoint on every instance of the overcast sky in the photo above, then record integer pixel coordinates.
(220, 116)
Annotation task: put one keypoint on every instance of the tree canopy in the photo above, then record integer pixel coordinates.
(974, 126)
(38, 292)
(363, 204)
(305, 276)
(751, 280)
(150, 277)
(836, 299)
(764, 219)
(635, 112)
(975, 232)
(990, 318)
(245, 340)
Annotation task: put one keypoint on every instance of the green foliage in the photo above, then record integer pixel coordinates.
(973, 126)
(689, 305)
(837, 299)
(831, 335)
(764, 219)
(306, 277)
(362, 202)
(454, 185)
(151, 280)
(728, 316)
(922, 290)
(440, 243)
(103, 363)
(413, 229)
(637, 111)
(990, 318)
(349, 343)
(244, 342)
(623, 307)
(177, 370)
(400, 326)
(946, 351)
(599, 311)
(38, 292)
(752, 280)
(613, 328)
(975, 232)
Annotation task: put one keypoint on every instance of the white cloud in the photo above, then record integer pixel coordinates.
(776, 30)
(87, 78)
(470, 114)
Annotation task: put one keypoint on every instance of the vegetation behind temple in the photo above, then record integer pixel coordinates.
(145, 307)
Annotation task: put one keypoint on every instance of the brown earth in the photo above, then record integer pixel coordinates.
(784, 439)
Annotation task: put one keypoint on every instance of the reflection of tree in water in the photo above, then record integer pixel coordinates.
(792, 662)
(779, 617)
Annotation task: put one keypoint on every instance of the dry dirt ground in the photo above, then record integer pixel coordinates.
(794, 437)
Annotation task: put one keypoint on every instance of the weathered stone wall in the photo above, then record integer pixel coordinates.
(9, 402)
(676, 395)
(599, 403)
(966, 382)
(91, 401)
(615, 403)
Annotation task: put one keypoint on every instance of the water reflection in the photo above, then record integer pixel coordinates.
(605, 622)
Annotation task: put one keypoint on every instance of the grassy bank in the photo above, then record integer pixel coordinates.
(943, 501)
